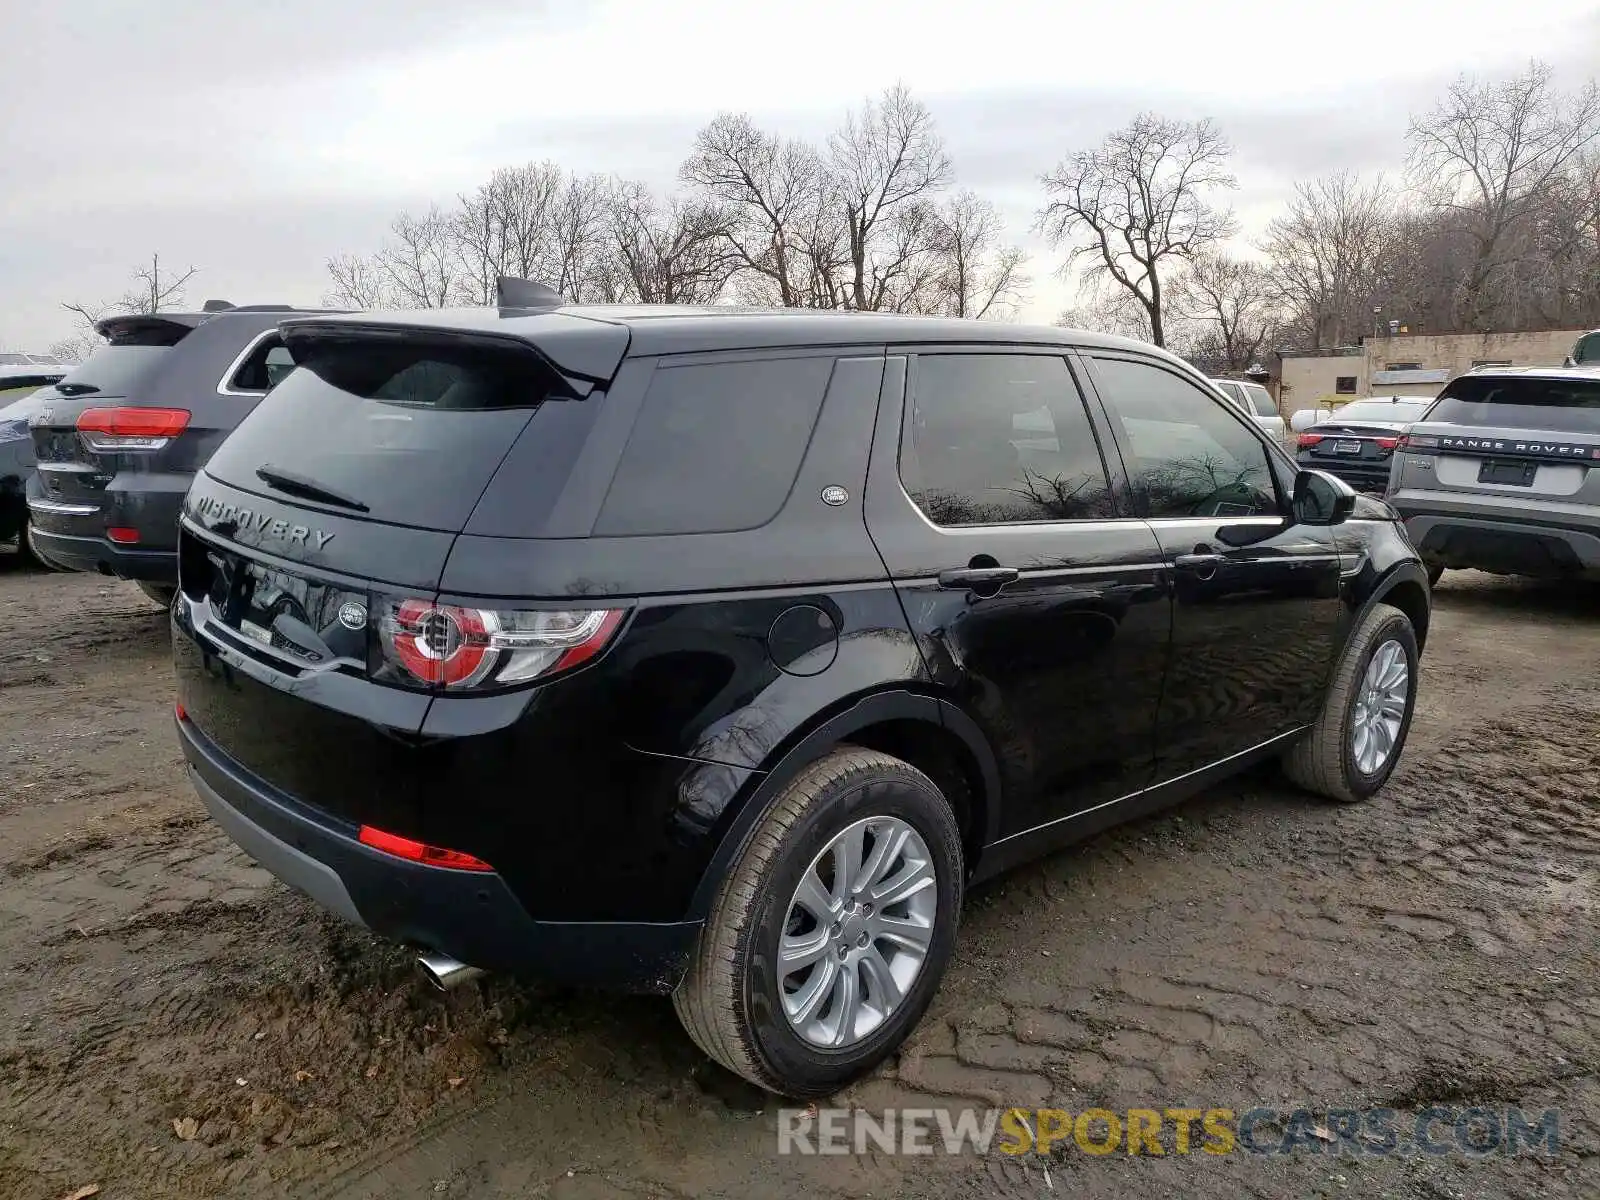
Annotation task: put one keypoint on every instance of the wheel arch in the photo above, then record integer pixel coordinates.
(1404, 586)
(930, 733)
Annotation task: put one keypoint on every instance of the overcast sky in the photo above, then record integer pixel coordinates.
(254, 140)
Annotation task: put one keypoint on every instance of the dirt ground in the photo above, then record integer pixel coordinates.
(175, 1022)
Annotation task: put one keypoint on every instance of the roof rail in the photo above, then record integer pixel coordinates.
(511, 292)
(263, 308)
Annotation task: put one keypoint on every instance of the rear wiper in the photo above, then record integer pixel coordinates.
(297, 485)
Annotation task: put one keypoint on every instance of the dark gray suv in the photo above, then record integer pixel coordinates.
(118, 440)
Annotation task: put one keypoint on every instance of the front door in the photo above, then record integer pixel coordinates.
(1035, 601)
(1256, 609)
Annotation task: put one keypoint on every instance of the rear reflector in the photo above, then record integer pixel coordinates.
(180, 712)
(123, 534)
(432, 856)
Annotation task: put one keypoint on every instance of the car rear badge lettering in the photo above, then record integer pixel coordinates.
(352, 615)
(834, 496)
(220, 512)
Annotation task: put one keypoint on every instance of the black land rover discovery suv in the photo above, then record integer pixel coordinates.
(715, 653)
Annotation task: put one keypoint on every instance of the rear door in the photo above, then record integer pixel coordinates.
(333, 505)
(1257, 610)
(1034, 599)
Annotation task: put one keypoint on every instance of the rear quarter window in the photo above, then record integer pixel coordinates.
(716, 446)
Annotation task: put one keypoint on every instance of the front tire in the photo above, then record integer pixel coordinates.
(1353, 748)
(800, 983)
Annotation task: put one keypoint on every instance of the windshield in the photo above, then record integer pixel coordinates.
(1588, 348)
(1382, 410)
(1529, 402)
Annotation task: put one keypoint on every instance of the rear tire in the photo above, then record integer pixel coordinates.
(161, 593)
(734, 1001)
(1326, 761)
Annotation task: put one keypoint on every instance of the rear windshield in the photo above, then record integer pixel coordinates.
(411, 430)
(1562, 405)
(115, 371)
(1363, 410)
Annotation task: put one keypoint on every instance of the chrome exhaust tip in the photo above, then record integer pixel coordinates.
(445, 972)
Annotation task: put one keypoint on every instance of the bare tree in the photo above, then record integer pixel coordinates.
(774, 188)
(1326, 252)
(1491, 151)
(1230, 303)
(418, 266)
(669, 252)
(975, 274)
(1104, 307)
(1137, 206)
(357, 282)
(152, 292)
(884, 164)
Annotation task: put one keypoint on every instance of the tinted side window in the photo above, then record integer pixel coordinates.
(268, 363)
(716, 447)
(1261, 399)
(1187, 457)
(1001, 438)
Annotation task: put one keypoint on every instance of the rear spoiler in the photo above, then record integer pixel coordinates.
(148, 329)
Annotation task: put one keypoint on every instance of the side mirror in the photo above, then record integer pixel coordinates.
(1322, 499)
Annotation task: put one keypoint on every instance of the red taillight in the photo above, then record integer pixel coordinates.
(123, 534)
(1308, 439)
(1388, 443)
(419, 852)
(131, 428)
(180, 711)
(456, 647)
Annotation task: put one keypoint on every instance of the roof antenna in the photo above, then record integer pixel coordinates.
(215, 306)
(511, 292)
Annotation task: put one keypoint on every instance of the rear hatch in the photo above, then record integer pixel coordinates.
(106, 417)
(1516, 439)
(321, 527)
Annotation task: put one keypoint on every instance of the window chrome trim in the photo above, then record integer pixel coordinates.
(225, 385)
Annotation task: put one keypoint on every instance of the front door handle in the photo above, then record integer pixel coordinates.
(1202, 562)
(986, 580)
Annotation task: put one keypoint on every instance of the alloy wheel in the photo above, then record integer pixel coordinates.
(1380, 707)
(857, 932)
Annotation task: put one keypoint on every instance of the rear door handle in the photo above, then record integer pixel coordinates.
(978, 579)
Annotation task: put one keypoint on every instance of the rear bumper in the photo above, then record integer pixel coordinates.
(1494, 542)
(470, 915)
(71, 532)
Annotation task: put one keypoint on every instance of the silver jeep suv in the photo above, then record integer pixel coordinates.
(1502, 473)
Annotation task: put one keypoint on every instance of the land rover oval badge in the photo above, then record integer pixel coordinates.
(834, 496)
(352, 615)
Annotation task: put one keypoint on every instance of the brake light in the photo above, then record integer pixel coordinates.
(1308, 439)
(1411, 441)
(1387, 443)
(123, 534)
(420, 852)
(460, 648)
(123, 429)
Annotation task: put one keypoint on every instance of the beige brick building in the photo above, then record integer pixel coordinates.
(1416, 364)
